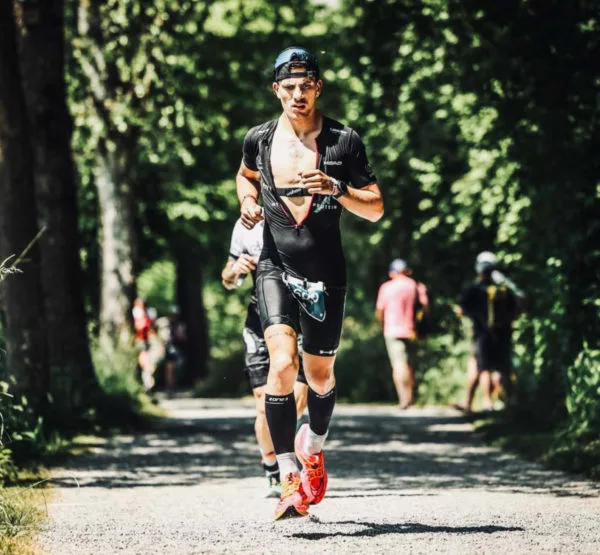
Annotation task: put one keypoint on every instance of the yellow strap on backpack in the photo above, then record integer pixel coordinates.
(491, 294)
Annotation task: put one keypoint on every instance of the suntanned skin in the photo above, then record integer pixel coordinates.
(293, 159)
(293, 163)
(236, 268)
(229, 275)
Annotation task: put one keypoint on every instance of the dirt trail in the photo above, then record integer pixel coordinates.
(418, 481)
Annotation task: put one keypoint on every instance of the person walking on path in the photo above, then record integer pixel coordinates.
(308, 168)
(492, 306)
(500, 382)
(149, 346)
(398, 302)
(244, 251)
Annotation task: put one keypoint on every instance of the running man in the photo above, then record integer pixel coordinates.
(244, 251)
(307, 168)
(397, 303)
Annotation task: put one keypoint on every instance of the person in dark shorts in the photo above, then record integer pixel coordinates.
(244, 251)
(172, 332)
(307, 168)
(492, 308)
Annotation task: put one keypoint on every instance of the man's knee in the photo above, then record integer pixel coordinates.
(284, 364)
(321, 380)
(259, 397)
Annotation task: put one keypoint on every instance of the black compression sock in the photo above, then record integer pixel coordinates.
(281, 417)
(320, 409)
(272, 472)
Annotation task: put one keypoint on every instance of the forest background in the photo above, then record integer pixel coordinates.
(121, 124)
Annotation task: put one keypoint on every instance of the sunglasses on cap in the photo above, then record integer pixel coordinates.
(285, 61)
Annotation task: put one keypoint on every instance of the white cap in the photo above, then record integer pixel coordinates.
(486, 260)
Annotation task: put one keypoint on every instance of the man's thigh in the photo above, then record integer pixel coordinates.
(256, 358)
(275, 302)
(501, 354)
(493, 352)
(323, 338)
(397, 350)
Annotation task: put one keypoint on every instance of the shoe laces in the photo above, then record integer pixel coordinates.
(315, 470)
(290, 485)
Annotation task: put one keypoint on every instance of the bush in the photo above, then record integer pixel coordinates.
(584, 392)
(24, 437)
(125, 402)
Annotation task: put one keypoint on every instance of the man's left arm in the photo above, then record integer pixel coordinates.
(361, 195)
(366, 202)
(423, 297)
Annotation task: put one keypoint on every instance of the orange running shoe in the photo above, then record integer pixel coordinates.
(313, 474)
(293, 502)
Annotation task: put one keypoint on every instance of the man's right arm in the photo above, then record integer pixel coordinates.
(248, 188)
(248, 181)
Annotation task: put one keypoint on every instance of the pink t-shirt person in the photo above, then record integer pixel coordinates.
(396, 299)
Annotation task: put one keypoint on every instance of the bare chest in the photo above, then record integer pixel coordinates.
(289, 157)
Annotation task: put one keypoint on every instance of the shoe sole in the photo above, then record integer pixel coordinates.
(291, 512)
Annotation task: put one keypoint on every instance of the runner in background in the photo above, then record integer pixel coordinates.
(172, 332)
(244, 251)
(149, 345)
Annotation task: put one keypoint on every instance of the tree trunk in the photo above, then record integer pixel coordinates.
(189, 290)
(115, 195)
(117, 240)
(23, 302)
(42, 60)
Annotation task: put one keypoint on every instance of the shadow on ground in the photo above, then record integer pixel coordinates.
(372, 529)
(380, 452)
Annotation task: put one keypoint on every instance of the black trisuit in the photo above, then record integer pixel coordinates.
(310, 249)
(256, 358)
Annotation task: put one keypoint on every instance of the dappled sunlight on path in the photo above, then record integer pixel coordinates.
(195, 481)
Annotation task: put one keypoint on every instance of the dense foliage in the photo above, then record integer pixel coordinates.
(480, 119)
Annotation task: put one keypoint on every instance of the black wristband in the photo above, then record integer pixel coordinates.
(342, 188)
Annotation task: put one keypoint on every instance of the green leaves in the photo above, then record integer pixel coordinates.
(476, 142)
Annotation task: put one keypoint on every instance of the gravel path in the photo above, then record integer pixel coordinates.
(418, 481)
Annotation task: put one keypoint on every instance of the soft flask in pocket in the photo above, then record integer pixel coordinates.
(310, 295)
